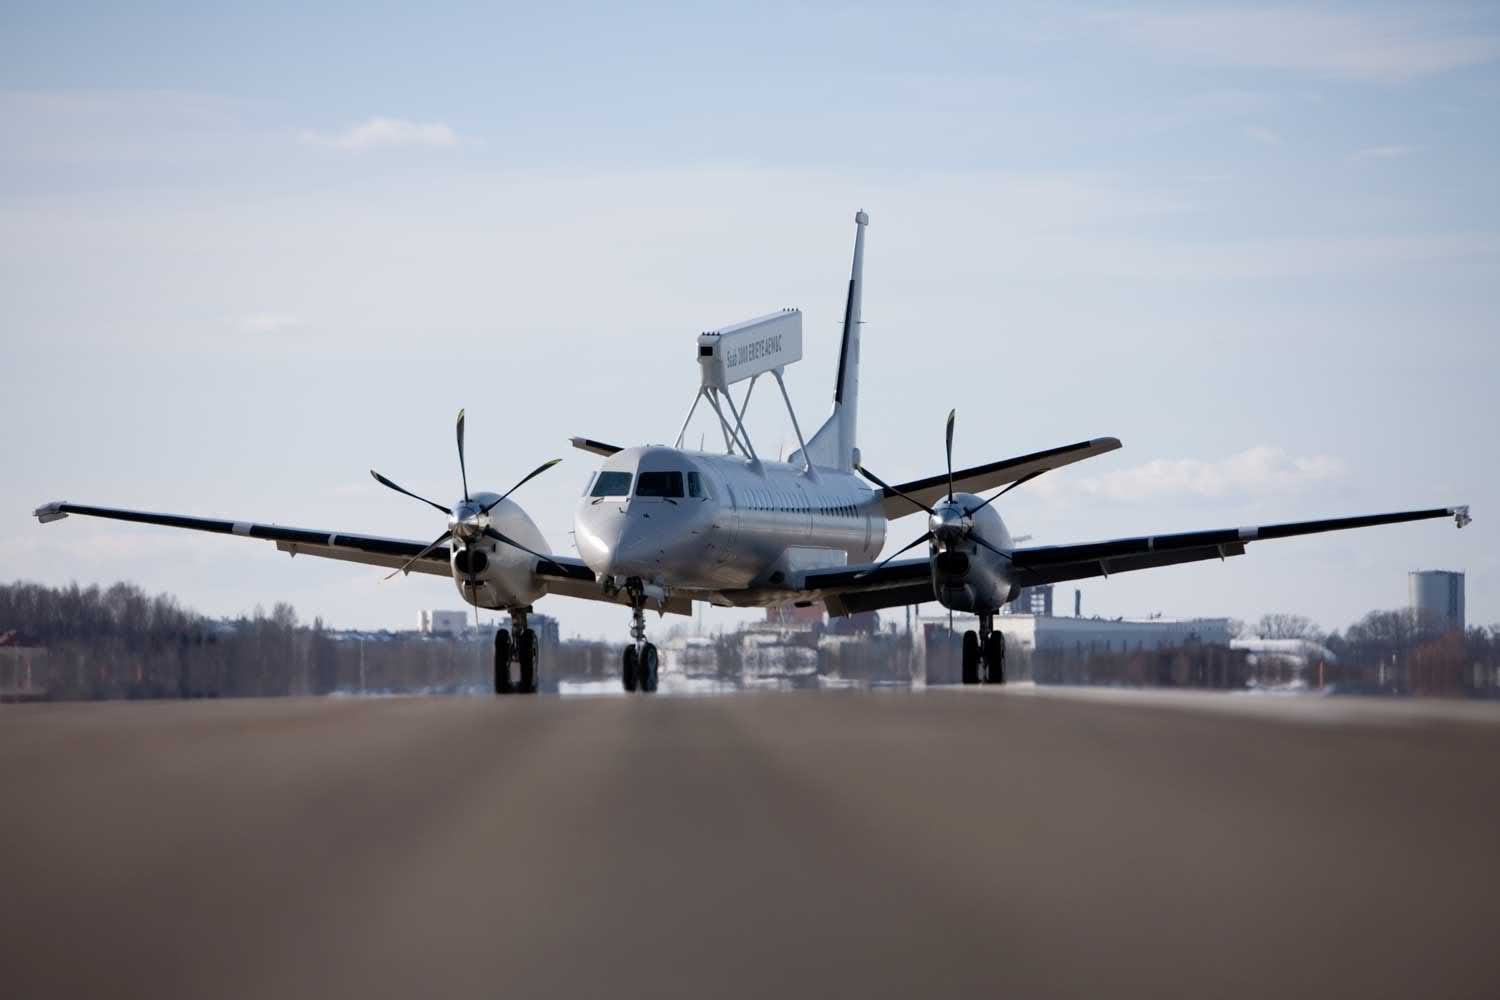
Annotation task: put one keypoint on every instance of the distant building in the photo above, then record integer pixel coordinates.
(1086, 636)
(449, 623)
(790, 614)
(1033, 601)
(547, 633)
(1437, 596)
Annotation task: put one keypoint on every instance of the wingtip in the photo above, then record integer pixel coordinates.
(49, 512)
(1461, 515)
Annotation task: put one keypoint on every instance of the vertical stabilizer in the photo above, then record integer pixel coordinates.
(836, 445)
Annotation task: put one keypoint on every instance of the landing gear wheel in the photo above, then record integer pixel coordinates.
(994, 658)
(529, 664)
(628, 674)
(971, 658)
(648, 668)
(502, 662)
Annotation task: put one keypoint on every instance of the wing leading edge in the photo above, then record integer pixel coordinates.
(909, 581)
(369, 549)
(987, 477)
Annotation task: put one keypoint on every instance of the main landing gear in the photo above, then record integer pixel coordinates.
(984, 653)
(519, 644)
(639, 669)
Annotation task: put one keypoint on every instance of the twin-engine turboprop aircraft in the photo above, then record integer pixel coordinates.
(661, 527)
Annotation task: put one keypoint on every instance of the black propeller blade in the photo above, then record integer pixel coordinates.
(406, 567)
(926, 537)
(526, 479)
(1024, 479)
(980, 541)
(462, 471)
(951, 415)
(492, 533)
(884, 485)
(386, 482)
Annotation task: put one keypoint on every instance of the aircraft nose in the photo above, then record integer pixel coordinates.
(598, 534)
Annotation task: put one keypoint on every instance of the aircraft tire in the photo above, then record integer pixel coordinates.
(502, 662)
(994, 659)
(971, 657)
(628, 673)
(530, 665)
(648, 669)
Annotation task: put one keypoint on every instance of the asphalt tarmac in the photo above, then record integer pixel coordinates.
(940, 843)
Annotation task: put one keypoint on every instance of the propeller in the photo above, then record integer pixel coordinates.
(950, 524)
(468, 522)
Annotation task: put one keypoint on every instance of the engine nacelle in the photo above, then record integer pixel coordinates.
(967, 576)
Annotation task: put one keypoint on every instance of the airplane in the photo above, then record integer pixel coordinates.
(659, 527)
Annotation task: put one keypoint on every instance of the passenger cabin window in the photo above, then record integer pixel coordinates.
(695, 485)
(611, 484)
(659, 484)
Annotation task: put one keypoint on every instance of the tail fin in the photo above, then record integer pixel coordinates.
(835, 445)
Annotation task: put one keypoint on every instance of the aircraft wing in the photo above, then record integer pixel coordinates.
(597, 447)
(1055, 563)
(368, 549)
(904, 582)
(987, 477)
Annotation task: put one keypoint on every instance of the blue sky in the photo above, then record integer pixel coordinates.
(245, 256)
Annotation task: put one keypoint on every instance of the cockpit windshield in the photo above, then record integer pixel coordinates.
(611, 484)
(659, 484)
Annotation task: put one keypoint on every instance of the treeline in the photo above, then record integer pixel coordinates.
(1396, 652)
(77, 643)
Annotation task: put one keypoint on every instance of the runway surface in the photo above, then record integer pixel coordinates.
(949, 842)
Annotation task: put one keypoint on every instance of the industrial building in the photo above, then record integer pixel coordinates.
(1437, 596)
(449, 623)
(1085, 636)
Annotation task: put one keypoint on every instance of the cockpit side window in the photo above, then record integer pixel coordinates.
(695, 485)
(659, 484)
(611, 484)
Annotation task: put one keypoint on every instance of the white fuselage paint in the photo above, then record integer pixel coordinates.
(761, 524)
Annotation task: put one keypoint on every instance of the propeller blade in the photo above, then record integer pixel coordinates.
(1024, 479)
(951, 415)
(528, 478)
(492, 533)
(386, 482)
(884, 485)
(927, 536)
(462, 471)
(980, 541)
(406, 568)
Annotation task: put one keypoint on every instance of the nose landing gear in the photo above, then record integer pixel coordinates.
(639, 669)
(984, 653)
(519, 644)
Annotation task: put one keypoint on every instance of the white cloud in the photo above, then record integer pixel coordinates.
(1382, 153)
(1259, 471)
(385, 133)
(1263, 135)
(1371, 46)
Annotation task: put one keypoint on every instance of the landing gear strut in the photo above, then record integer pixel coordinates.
(639, 668)
(984, 653)
(519, 644)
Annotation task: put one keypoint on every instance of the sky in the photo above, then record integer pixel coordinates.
(247, 255)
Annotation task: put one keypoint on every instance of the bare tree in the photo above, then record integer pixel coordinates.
(1279, 625)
